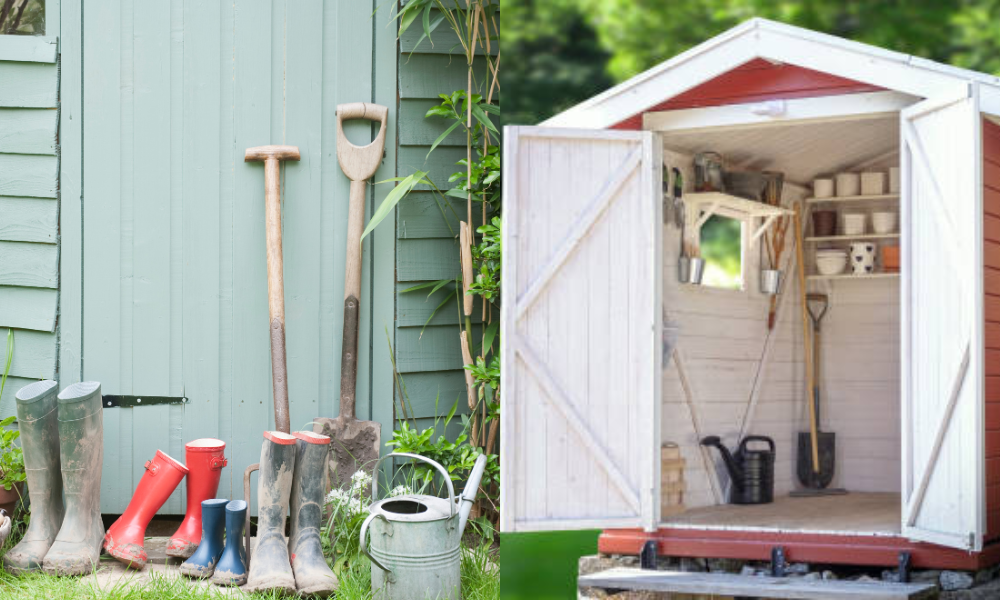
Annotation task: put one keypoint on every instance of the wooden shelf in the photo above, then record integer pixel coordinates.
(864, 236)
(850, 276)
(707, 204)
(836, 199)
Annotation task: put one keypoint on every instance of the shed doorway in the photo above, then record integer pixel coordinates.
(732, 376)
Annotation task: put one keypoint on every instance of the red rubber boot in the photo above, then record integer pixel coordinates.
(205, 460)
(124, 538)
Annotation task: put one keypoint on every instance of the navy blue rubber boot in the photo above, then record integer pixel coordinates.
(232, 567)
(202, 562)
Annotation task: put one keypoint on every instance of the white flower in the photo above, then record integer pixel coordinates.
(400, 490)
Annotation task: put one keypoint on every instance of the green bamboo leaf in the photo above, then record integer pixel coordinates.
(481, 116)
(407, 16)
(457, 193)
(491, 108)
(398, 193)
(491, 333)
(441, 137)
(440, 284)
(435, 311)
(425, 285)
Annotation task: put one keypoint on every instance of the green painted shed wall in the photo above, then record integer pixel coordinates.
(29, 208)
(164, 286)
(429, 358)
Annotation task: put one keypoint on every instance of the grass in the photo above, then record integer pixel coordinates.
(544, 565)
(480, 581)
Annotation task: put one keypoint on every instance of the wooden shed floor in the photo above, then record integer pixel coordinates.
(856, 513)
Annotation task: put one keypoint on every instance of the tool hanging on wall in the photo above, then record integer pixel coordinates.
(355, 443)
(272, 157)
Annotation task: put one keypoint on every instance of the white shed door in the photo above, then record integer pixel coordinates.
(942, 319)
(581, 315)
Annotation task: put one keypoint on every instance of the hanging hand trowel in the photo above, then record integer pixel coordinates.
(354, 444)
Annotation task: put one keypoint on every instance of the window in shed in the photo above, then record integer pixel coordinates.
(722, 249)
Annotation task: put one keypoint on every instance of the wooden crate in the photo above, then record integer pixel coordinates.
(672, 484)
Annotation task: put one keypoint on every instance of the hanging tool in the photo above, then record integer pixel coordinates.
(272, 156)
(355, 444)
(678, 200)
(806, 339)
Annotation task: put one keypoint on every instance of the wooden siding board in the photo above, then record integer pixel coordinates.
(34, 353)
(29, 48)
(428, 75)
(442, 40)
(30, 265)
(426, 260)
(433, 393)
(29, 220)
(28, 175)
(8, 405)
(416, 129)
(439, 166)
(413, 309)
(28, 130)
(28, 308)
(429, 215)
(438, 349)
(28, 84)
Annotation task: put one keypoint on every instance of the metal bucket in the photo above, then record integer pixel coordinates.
(415, 544)
(690, 270)
(770, 281)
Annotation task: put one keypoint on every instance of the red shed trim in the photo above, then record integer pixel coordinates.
(991, 304)
(756, 81)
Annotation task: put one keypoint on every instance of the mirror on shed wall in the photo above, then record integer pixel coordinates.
(22, 17)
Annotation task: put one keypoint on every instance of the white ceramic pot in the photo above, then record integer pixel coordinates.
(822, 188)
(872, 183)
(831, 262)
(884, 222)
(863, 258)
(848, 184)
(854, 223)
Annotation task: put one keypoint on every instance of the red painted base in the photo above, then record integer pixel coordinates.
(799, 547)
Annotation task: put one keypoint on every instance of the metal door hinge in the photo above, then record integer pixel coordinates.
(117, 401)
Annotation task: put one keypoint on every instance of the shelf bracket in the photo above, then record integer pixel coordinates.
(763, 227)
(705, 217)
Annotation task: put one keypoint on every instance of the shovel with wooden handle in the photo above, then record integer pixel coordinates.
(354, 444)
(272, 156)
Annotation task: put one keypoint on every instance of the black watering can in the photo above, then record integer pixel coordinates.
(751, 471)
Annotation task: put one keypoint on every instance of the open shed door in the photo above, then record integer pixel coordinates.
(942, 318)
(581, 314)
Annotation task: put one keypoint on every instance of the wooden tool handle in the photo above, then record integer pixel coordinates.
(806, 340)
(276, 293)
(352, 304)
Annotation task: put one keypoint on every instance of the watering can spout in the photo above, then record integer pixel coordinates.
(468, 496)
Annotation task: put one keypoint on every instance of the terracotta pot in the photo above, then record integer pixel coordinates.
(824, 223)
(890, 258)
(9, 498)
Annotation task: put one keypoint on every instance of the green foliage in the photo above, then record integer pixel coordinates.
(567, 41)
(347, 511)
(10, 359)
(487, 255)
(721, 247)
(11, 458)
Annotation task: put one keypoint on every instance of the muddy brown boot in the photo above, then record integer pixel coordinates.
(270, 567)
(312, 575)
(77, 548)
(38, 422)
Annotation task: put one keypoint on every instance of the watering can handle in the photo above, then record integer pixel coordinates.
(444, 473)
(364, 540)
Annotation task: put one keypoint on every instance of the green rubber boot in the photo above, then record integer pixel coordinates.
(77, 549)
(312, 575)
(270, 565)
(38, 422)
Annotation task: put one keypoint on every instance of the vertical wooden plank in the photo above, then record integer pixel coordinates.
(202, 231)
(152, 235)
(383, 241)
(251, 360)
(302, 112)
(71, 192)
(101, 222)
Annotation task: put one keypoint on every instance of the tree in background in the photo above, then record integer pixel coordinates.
(634, 35)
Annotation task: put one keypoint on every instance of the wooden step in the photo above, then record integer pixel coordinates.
(726, 584)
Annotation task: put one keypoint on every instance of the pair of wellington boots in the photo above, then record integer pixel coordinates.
(222, 560)
(162, 475)
(62, 438)
(293, 473)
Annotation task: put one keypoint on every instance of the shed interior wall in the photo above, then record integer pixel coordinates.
(741, 379)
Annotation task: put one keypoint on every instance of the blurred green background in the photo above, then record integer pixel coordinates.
(557, 53)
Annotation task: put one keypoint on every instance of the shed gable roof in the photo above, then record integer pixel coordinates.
(777, 43)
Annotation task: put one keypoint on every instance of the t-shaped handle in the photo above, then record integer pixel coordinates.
(277, 152)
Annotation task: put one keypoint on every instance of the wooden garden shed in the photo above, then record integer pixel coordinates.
(911, 360)
(132, 231)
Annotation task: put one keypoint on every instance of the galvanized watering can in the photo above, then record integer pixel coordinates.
(416, 539)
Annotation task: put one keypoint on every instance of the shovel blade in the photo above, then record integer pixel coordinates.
(827, 443)
(354, 446)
